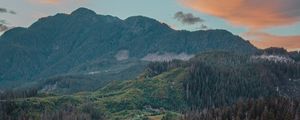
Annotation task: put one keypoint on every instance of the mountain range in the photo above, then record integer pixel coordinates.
(85, 66)
(100, 47)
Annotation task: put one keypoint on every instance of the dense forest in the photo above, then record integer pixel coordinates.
(218, 79)
(20, 93)
(260, 109)
(66, 112)
(213, 85)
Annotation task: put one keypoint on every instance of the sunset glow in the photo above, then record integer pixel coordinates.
(255, 15)
(272, 23)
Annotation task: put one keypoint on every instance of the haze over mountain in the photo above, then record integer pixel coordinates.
(86, 43)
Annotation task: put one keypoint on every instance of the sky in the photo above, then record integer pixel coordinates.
(265, 23)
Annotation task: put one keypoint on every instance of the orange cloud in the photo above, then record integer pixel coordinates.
(265, 40)
(254, 14)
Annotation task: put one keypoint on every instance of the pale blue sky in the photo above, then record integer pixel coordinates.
(162, 10)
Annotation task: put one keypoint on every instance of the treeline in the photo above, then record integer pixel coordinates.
(278, 108)
(295, 55)
(20, 93)
(274, 51)
(221, 79)
(283, 71)
(213, 86)
(156, 68)
(281, 51)
(14, 106)
(8, 111)
(11, 110)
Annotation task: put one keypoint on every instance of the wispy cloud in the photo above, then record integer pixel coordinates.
(187, 18)
(4, 10)
(254, 14)
(3, 23)
(265, 40)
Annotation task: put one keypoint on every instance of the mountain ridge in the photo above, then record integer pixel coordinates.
(55, 45)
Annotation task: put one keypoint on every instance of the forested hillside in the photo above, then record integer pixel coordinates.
(172, 89)
(260, 109)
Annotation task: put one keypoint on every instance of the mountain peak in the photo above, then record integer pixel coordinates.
(49, 46)
(146, 23)
(135, 19)
(83, 11)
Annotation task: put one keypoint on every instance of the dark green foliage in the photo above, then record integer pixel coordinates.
(13, 110)
(156, 68)
(260, 109)
(20, 93)
(295, 55)
(210, 80)
(163, 91)
(275, 51)
(222, 78)
(170, 116)
(7, 109)
(219, 78)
